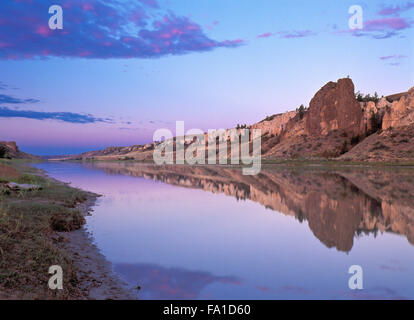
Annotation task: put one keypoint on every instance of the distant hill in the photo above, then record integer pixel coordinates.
(10, 150)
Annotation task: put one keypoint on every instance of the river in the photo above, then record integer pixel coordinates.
(208, 232)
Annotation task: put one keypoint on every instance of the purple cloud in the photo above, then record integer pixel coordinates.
(287, 34)
(60, 116)
(395, 56)
(382, 28)
(396, 10)
(388, 24)
(265, 35)
(387, 57)
(3, 86)
(100, 29)
(393, 60)
(5, 99)
(295, 34)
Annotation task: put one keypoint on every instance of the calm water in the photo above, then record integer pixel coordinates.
(211, 233)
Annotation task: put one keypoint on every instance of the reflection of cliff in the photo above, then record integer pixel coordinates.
(336, 203)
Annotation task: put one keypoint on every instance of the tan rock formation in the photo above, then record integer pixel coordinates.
(373, 114)
(334, 107)
(401, 112)
(274, 125)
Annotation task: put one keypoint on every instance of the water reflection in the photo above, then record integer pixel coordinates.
(162, 283)
(208, 232)
(337, 204)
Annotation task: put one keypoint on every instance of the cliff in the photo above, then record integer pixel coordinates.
(10, 150)
(335, 126)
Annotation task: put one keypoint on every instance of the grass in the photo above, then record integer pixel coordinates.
(337, 163)
(29, 243)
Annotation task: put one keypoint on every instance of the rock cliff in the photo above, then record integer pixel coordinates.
(334, 126)
(334, 108)
(401, 113)
(11, 150)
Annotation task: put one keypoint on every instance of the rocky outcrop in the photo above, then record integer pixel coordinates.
(334, 124)
(327, 129)
(275, 124)
(401, 113)
(373, 114)
(334, 107)
(11, 150)
(393, 134)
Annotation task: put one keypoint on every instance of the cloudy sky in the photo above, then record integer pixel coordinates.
(119, 70)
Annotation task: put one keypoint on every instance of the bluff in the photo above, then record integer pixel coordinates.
(10, 150)
(394, 138)
(334, 108)
(336, 125)
(328, 128)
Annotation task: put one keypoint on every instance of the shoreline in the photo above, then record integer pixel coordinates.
(45, 226)
(97, 280)
(269, 162)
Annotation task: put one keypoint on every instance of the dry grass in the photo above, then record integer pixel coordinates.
(29, 244)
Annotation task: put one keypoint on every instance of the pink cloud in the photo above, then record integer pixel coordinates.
(87, 7)
(397, 10)
(295, 34)
(387, 24)
(144, 33)
(265, 35)
(43, 31)
(263, 288)
(382, 28)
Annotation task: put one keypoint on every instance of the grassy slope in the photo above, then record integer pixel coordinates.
(29, 244)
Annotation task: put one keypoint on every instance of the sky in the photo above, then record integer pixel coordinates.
(119, 70)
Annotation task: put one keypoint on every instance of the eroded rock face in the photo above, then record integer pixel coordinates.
(274, 125)
(401, 112)
(334, 107)
(373, 114)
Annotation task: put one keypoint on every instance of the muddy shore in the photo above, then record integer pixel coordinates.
(97, 281)
(96, 278)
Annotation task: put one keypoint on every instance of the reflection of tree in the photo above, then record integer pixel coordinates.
(337, 204)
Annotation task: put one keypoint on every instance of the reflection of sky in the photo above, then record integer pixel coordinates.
(146, 223)
(169, 283)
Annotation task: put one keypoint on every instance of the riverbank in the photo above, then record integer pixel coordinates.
(45, 227)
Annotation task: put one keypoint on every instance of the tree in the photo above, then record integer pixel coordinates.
(376, 99)
(3, 152)
(301, 110)
(359, 96)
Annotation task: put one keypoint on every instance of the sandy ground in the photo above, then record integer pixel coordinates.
(97, 280)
